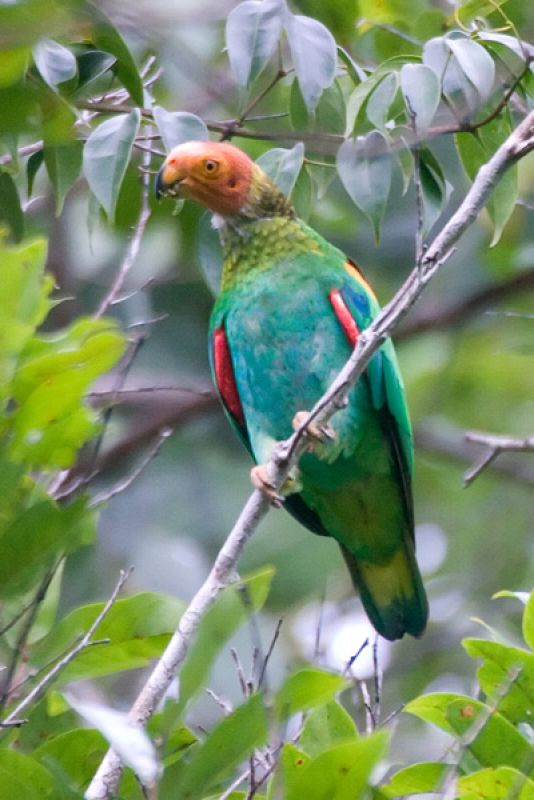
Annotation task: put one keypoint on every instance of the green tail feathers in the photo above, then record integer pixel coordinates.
(392, 593)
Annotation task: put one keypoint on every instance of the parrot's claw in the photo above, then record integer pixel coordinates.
(317, 433)
(261, 481)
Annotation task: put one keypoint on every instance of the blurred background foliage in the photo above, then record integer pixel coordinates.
(466, 350)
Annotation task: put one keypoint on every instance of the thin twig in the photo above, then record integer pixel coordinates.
(84, 643)
(150, 455)
(495, 445)
(519, 143)
(263, 672)
(135, 242)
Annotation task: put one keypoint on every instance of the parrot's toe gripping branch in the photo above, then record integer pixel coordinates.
(260, 480)
(321, 434)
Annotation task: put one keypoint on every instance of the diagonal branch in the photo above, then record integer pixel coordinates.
(286, 454)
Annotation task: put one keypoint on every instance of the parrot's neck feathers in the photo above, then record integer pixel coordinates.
(264, 200)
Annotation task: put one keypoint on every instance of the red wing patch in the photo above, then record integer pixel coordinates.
(224, 375)
(344, 317)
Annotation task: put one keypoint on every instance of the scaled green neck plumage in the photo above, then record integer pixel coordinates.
(265, 231)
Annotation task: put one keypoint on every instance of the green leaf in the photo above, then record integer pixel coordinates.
(518, 46)
(307, 688)
(10, 210)
(63, 164)
(106, 156)
(328, 117)
(252, 32)
(24, 299)
(500, 663)
(455, 85)
(476, 63)
(427, 777)
(495, 784)
(365, 166)
(283, 166)
(50, 421)
(55, 63)
(381, 99)
(474, 152)
(13, 65)
(106, 37)
(210, 253)
(306, 36)
(23, 777)
(497, 742)
(227, 745)
(326, 726)
(528, 622)
(138, 628)
(232, 607)
(33, 165)
(341, 773)
(92, 65)
(421, 90)
(435, 188)
(176, 127)
(76, 754)
(36, 537)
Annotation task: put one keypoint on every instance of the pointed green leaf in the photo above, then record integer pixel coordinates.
(210, 253)
(252, 33)
(63, 164)
(23, 777)
(106, 156)
(93, 64)
(176, 127)
(55, 63)
(489, 737)
(33, 165)
(365, 166)
(528, 622)
(500, 663)
(305, 689)
(231, 742)
(424, 778)
(496, 784)
(325, 727)
(138, 628)
(283, 166)
(76, 754)
(380, 100)
(455, 84)
(341, 773)
(307, 36)
(476, 63)
(474, 152)
(421, 90)
(435, 188)
(106, 37)
(518, 46)
(10, 209)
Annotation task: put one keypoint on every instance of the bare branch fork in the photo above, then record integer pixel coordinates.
(494, 446)
(518, 144)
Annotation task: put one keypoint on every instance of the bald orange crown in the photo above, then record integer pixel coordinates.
(216, 174)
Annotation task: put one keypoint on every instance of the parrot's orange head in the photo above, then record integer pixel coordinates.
(216, 174)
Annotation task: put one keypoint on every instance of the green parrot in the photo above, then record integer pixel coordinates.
(289, 312)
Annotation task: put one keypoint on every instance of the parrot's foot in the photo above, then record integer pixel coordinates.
(261, 481)
(317, 433)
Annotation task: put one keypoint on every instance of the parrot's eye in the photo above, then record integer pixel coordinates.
(210, 166)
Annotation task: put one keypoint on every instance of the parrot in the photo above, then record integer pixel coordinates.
(289, 312)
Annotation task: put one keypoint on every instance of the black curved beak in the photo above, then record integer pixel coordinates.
(160, 187)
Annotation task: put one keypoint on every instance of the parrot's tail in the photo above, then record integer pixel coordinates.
(392, 593)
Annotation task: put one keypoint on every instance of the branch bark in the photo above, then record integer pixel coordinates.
(286, 454)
